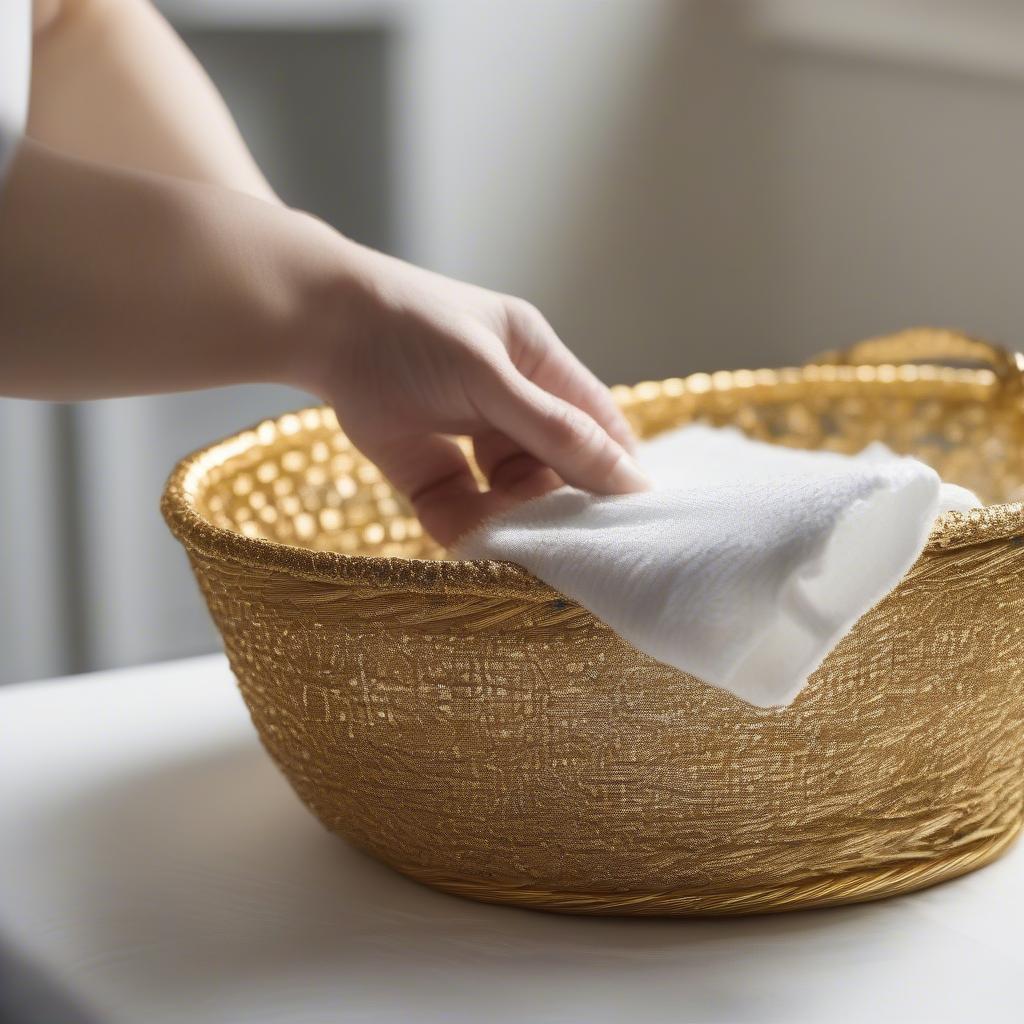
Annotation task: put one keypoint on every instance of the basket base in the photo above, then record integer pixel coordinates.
(831, 891)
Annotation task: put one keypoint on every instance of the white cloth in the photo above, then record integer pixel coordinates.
(745, 564)
(15, 60)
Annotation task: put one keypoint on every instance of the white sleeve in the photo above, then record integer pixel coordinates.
(15, 60)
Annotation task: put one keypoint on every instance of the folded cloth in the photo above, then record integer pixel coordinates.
(745, 564)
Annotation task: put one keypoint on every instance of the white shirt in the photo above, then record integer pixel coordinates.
(15, 63)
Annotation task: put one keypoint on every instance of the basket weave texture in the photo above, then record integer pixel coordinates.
(482, 733)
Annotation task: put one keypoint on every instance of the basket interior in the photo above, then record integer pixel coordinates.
(297, 480)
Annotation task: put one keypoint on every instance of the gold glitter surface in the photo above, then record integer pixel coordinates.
(480, 732)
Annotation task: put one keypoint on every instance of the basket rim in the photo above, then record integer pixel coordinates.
(952, 530)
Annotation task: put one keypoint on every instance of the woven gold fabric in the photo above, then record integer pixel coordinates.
(482, 733)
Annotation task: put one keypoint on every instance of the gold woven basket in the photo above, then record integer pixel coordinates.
(482, 733)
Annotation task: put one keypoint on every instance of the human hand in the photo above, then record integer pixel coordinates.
(422, 357)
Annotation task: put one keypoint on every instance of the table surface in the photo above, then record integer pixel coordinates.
(155, 867)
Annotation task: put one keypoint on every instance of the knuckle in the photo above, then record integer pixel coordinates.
(525, 314)
(573, 434)
(592, 449)
(532, 341)
(486, 355)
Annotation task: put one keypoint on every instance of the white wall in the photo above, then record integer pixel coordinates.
(596, 158)
(35, 622)
(700, 185)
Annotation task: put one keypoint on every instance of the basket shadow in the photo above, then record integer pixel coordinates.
(212, 873)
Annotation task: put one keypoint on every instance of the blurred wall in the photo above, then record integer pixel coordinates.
(678, 185)
(711, 184)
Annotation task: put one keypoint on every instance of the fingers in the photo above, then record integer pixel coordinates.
(511, 470)
(538, 417)
(542, 357)
(556, 433)
(431, 471)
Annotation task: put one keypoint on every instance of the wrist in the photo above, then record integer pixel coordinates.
(334, 306)
(303, 302)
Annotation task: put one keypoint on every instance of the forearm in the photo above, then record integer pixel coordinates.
(113, 83)
(117, 283)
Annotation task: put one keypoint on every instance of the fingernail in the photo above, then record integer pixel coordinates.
(627, 476)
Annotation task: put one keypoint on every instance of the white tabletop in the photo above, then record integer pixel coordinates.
(155, 866)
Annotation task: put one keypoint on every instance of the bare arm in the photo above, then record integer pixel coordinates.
(117, 282)
(113, 83)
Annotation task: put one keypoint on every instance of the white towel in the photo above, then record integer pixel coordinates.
(745, 564)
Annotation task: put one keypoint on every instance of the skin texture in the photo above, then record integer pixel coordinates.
(141, 250)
